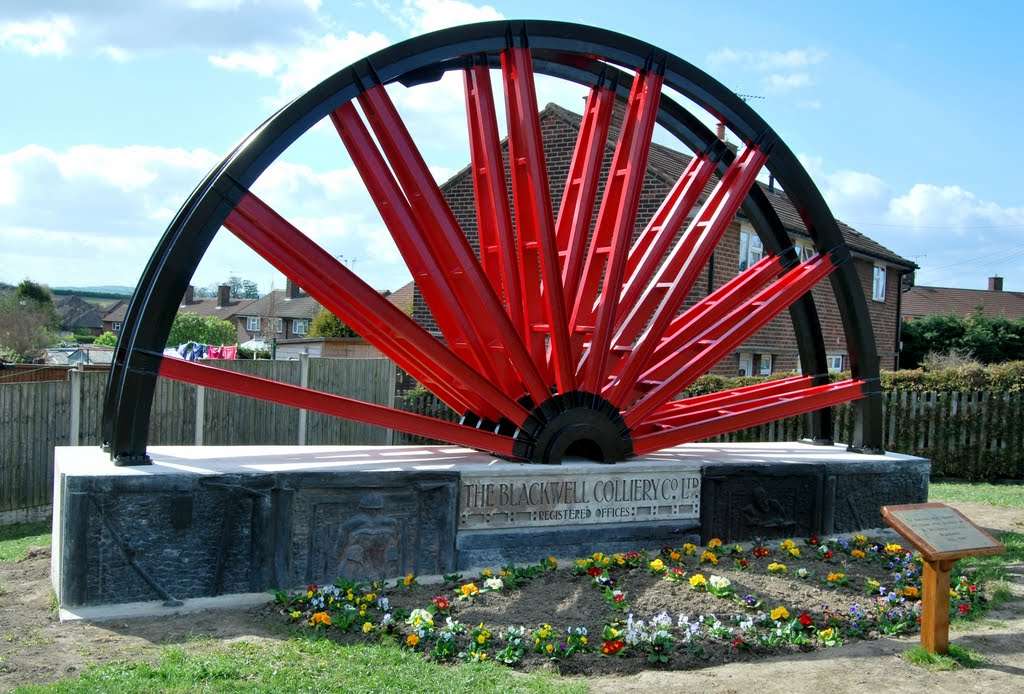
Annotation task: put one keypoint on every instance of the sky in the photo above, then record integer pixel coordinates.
(112, 111)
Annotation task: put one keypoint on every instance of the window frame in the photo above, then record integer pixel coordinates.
(748, 241)
(296, 322)
(878, 282)
(250, 322)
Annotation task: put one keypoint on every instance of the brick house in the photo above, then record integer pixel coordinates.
(279, 315)
(223, 306)
(772, 349)
(993, 302)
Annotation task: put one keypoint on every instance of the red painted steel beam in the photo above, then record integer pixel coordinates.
(664, 295)
(685, 411)
(613, 234)
(707, 349)
(651, 247)
(335, 405)
(544, 311)
(433, 246)
(494, 218)
(698, 318)
(578, 200)
(367, 312)
(717, 421)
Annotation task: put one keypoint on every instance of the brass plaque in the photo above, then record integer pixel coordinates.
(945, 530)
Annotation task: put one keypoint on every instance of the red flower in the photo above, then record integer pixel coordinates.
(595, 571)
(620, 597)
(813, 541)
(805, 619)
(963, 608)
(761, 552)
(312, 588)
(743, 563)
(972, 588)
(738, 643)
(441, 603)
(828, 554)
(611, 647)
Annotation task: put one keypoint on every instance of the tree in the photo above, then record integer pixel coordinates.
(988, 340)
(26, 326)
(326, 324)
(189, 326)
(250, 290)
(107, 339)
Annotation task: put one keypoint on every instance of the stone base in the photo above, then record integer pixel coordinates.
(208, 521)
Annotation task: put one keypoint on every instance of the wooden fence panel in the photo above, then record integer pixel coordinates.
(35, 418)
(234, 420)
(369, 380)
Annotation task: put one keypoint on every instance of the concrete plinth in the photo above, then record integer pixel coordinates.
(208, 521)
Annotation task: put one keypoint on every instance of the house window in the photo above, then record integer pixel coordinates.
(278, 325)
(252, 324)
(115, 327)
(878, 284)
(751, 249)
(835, 362)
(764, 365)
(300, 326)
(804, 250)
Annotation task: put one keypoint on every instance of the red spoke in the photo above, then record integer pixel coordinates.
(652, 245)
(707, 348)
(688, 410)
(544, 312)
(717, 420)
(577, 207)
(494, 219)
(698, 318)
(367, 312)
(335, 405)
(434, 248)
(613, 234)
(664, 295)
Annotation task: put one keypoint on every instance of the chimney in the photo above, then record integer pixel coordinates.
(223, 295)
(291, 289)
(720, 131)
(189, 295)
(995, 284)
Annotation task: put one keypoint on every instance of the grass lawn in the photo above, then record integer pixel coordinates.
(991, 494)
(16, 539)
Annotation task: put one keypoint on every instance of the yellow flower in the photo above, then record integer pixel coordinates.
(689, 548)
(697, 580)
(776, 567)
(857, 554)
(411, 640)
(367, 627)
(295, 614)
(486, 573)
(709, 557)
(873, 584)
(350, 596)
(469, 589)
(657, 565)
(714, 543)
(481, 639)
(550, 647)
(598, 557)
(780, 613)
(583, 639)
(893, 548)
(794, 551)
(409, 580)
(825, 634)
(787, 544)
(860, 539)
(619, 559)
(552, 563)
(911, 592)
(544, 632)
(674, 555)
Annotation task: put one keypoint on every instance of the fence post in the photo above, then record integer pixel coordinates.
(304, 383)
(75, 376)
(392, 377)
(200, 413)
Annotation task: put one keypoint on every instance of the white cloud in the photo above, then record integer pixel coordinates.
(38, 37)
(423, 16)
(927, 205)
(766, 61)
(781, 83)
(122, 30)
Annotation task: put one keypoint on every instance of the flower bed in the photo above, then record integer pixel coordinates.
(678, 608)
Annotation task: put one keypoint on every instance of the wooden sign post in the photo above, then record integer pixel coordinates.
(942, 535)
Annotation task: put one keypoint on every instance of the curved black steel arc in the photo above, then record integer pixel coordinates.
(147, 325)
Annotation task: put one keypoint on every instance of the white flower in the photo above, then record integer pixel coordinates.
(493, 584)
(720, 582)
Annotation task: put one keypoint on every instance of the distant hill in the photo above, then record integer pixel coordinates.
(103, 292)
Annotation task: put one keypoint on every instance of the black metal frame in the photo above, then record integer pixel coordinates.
(560, 49)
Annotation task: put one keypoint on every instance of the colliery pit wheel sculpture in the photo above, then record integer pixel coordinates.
(566, 334)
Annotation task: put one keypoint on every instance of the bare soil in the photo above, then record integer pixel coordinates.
(35, 647)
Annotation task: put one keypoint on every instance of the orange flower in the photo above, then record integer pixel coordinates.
(319, 618)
